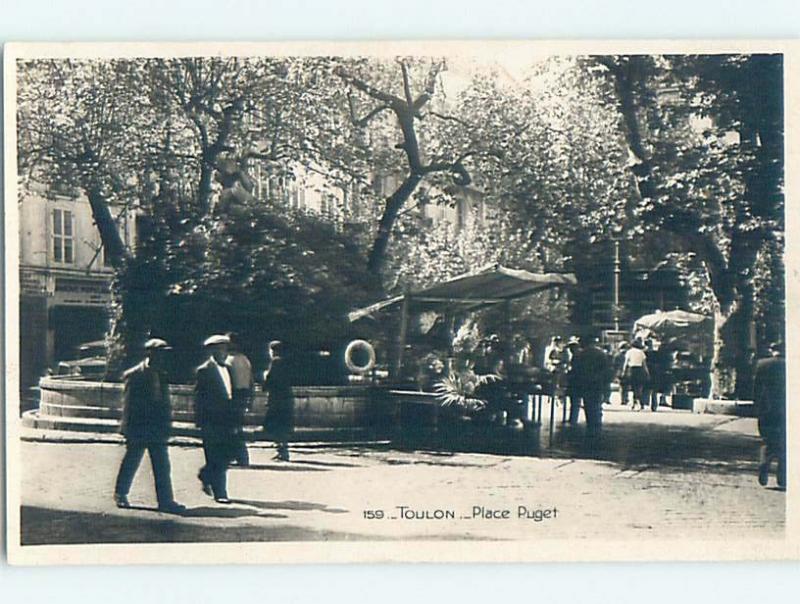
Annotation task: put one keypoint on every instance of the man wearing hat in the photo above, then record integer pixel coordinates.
(146, 424)
(279, 419)
(217, 416)
(769, 398)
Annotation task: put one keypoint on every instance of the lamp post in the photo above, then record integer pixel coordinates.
(616, 237)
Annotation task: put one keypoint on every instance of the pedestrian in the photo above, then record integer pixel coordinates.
(553, 355)
(523, 352)
(590, 372)
(649, 386)
(556, 361)
(609, 377)
(636, 372)
(242, 383)
(769, 397)
(659, 362)
(146, 424)
(572, 378)
(619, 363)
(279, 419)
(217, 416)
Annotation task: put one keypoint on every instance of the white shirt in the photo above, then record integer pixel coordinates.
(241, 371)
(549, 363)
(635, 357)
(225, 375)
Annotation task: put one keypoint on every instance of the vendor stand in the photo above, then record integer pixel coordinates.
(491, 286)
(689, 336)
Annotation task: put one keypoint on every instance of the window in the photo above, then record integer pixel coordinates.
(63, 237)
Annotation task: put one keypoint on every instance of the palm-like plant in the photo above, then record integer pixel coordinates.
(458, 390)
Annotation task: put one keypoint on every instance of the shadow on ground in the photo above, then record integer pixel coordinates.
(280, 467)
(41, 526)
(207, 512)
(303, 506)
(634, 445)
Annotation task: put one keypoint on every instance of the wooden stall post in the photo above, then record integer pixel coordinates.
(397, 364)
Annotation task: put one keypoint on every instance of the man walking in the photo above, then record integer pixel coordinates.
(146, 424)
(279, 419)
(636, 372)
(769, 396)
(217, 417)
(242, 382)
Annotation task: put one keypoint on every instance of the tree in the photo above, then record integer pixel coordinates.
(149, 134)
(173, 138)
(80, 127)
(422, 158)
(714, 185)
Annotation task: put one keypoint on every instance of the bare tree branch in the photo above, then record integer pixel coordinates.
(386, 98)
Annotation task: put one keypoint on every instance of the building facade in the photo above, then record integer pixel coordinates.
(65, 280)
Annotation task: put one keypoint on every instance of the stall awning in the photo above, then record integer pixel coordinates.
(491, 285)
(671, 322)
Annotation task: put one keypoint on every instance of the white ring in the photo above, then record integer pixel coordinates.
(348, 356)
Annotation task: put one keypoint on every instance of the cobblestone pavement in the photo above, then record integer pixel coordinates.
(670, 474)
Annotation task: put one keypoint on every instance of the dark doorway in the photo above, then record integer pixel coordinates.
(75, 325)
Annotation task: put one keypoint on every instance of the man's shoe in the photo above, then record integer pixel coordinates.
(763, 474)
(122, 501)
(222, 500)
(206, 486)
(172, 508)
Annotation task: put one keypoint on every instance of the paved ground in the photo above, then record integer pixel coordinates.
(669, 474)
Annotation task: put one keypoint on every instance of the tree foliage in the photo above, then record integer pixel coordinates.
(681, 156)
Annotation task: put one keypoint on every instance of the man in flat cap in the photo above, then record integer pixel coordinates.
(217, 416)
(279, 419)
(146, 424)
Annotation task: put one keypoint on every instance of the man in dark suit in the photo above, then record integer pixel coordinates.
(146, 424)
(769, 397)
(591, 372)
(217, 416)
(279, 419)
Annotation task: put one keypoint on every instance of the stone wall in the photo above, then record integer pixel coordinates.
(315, 406)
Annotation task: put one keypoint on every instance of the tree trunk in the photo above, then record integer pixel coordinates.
(204, 184)
(731, 364)
(722, 372)
(377, 255)
(109, 233)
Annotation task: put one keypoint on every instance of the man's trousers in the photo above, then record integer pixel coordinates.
(219, 450)
(159, 458)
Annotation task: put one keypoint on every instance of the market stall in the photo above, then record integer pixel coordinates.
(491, 286)
(689, 337)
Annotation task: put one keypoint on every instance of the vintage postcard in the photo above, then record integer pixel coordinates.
(401, 301)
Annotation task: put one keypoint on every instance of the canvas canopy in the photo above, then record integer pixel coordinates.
(491, 285)
(669, 321)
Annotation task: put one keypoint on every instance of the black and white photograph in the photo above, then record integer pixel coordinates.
(429, 301)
